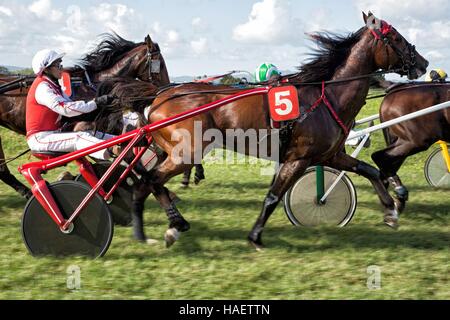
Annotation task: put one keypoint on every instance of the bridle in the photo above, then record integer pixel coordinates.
(408, 60)
(152, 64)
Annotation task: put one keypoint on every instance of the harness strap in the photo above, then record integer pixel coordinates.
(323, 98)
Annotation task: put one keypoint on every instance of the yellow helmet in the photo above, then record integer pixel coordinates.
(436, 75)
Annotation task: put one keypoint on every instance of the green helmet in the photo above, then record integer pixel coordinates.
(266, 71)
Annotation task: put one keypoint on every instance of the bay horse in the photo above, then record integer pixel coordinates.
(410, 137)
(317, 140)
(114, 56)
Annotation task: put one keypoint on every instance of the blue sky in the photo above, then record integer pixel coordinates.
(212, 36)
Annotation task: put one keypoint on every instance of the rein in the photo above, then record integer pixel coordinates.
(152, 66)
(7, 161)
(22, 82)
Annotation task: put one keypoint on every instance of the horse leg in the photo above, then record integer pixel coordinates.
(199, 174)
(283, 180)
(345, 162)
(9, 179)
(186, 178)
(158, 178)
(177, 223)
(390, 160)
(141, 192)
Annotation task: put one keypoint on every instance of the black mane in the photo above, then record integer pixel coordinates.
(333, 50)
(109, 51)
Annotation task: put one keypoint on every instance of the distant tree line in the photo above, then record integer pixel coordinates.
(22, 72)
(4, 70)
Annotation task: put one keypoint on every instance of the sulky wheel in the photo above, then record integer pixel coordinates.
(436, 171)
(92, 230)
(302, 208)
(121, 204)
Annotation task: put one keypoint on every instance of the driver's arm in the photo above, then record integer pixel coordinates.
(46, 96)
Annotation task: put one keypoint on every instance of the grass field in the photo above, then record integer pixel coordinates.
(214, 261)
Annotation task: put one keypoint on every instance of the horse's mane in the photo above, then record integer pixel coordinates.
(108, 52)
(130, 95)
(332, 51)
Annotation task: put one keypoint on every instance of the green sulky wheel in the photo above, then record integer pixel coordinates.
(302, 206)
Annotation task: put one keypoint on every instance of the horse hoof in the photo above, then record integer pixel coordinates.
(184, 186)
(151, 242)
(171, 236)
(391, 222)
(257, 246)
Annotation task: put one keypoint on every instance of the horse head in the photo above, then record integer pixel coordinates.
(392, 51)
(151, 66)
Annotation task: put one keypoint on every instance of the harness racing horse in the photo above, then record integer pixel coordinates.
(114, 56)
(318, 139)
(410, 137)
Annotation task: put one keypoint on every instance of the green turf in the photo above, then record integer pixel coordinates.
(214, 261)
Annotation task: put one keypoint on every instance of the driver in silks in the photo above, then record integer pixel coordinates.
(47, 104)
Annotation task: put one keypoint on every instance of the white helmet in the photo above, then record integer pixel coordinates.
(43, 59)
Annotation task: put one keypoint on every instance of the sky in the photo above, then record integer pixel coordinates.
(200, 37)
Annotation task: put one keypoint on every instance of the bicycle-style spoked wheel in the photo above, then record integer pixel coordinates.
(302, 207)
(92, 230)
(121, 204)
(436, 171)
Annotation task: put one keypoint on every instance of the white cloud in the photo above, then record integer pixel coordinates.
(72, 30)
(197, 22)
(423, 10)
(43, 9)
(6, 11)
(199, 25)
(422, 22)
(270, 21)
(173, 36)
(199, 46)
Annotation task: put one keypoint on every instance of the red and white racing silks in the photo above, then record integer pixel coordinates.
(46, 104)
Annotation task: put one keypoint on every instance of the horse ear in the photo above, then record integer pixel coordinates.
(149, 42)
(371, 21)
(365, 17)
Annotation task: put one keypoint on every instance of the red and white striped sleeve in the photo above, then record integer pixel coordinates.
(49, 97)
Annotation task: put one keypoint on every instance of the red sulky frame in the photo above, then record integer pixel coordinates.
(33, 171)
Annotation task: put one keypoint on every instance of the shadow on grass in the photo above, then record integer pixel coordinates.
(238, 185)
(429, 211)
(412, 188)
(221, 243)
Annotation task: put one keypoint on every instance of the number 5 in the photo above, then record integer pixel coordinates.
(282, 98)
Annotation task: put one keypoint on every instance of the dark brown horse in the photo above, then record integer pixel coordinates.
(317, 140)
(413, 136)
(114, 56)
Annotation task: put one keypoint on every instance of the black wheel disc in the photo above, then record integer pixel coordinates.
(92, 232)
(120, 206)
